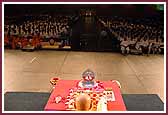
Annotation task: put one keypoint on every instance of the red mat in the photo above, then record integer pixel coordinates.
(62, 89)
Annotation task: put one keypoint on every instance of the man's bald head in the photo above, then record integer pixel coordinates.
(83, 102)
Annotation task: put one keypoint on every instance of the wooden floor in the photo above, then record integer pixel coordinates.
(31, 71)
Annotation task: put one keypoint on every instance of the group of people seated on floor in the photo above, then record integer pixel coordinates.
(56, 27)
(140, 45)
(138, 36)
(46, 26)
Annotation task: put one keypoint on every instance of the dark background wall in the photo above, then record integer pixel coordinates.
(140, 10)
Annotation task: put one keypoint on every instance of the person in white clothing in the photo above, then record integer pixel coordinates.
(138, 45)
(124, 46)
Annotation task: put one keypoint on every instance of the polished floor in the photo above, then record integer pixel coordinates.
(32, 71)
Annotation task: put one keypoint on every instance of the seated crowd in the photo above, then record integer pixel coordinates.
(38, 27)
(45, 26)
(139, 35)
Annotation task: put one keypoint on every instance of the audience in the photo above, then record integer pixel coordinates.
(142, 35)
(145, 35)
(45, 26)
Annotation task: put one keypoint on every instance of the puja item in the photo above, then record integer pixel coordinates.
(53, 81)
(89, 94)
(88, 79)
(109, 94)
(102, 104)
(58, 99)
